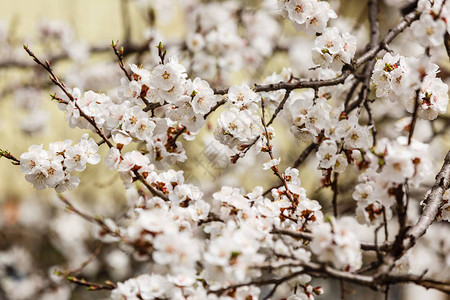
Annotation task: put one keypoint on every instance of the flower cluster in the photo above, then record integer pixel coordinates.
(430, 29)
(239, 125)
(338, 134)
(329, 158)
(414, 82)
(52, 168)
(389, 77)
(431, 97)
(337, 243)
(154, 286)
(310, 16)
(391, 164)
(333, 50)
(308, 117)
(182, 104)
(297, 206)
(239, 229)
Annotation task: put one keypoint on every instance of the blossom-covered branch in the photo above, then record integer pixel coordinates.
(346, 130)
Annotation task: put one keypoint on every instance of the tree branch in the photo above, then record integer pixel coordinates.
(308, 236)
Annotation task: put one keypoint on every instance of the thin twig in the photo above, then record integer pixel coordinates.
(414, 117)
(91, 258)
(8, 155)
(325, 271)
(269, 150)
(258, 283)
(308, 237)
(119, 54)
(376, 242)
(279, 108)
(91, 120)
(334, 187)
(386, 231)
(92, 286)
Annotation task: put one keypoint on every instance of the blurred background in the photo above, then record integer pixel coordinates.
(37, 233)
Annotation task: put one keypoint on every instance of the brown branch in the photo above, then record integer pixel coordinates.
(386, 231)
(386, 293)
(92, 286)
(8, 155)
(447, 43)
(84, 264)
(371, 123)
(219, 104)
(351, 92)
(399, 194)
(414, 117)
(119, 54)
(89, 218)
(308, 237)
(325, 271)
(279, 108)
(152, 190)
(341, 283)
(177, 135)
(374, 41)
(377, 250)
(374, 24)
(304, 155)
(419, 280)
(276, 281)
(236, 157)
(367, 75)
(152, 106)
(433, 202)
(334, 187)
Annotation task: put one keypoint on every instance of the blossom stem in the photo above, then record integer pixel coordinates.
(414, 117)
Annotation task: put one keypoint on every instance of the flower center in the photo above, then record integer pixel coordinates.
(165, 75)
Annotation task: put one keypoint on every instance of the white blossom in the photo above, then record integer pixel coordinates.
(337, 244)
